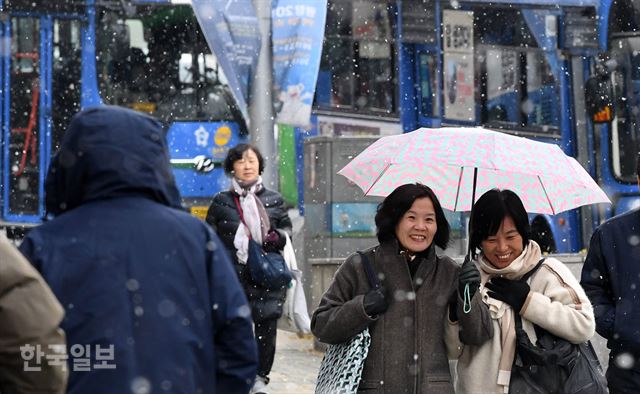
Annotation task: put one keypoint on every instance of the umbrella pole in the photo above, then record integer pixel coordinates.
(473, 199)
(466, 296)
(473, 191)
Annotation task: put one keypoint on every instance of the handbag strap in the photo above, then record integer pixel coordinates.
(528, 275)
(237, 201)
(524, 278)
(374, 282)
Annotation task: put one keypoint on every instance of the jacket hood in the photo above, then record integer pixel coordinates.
(110, 152)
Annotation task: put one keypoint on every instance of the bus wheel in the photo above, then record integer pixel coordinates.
(541, 233)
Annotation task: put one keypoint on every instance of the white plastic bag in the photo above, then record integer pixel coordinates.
(295, 316)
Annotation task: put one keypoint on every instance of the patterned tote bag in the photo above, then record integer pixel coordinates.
(342, 364)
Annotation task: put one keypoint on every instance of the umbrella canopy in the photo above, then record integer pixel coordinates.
(460, 164)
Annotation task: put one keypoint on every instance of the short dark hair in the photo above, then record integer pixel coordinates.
(488, 213)
(236, 153)
(396, 204)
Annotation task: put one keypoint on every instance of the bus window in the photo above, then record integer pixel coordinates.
(357, 68)
(24, 116)
(65, 76)
(158, 62)
(428, 84)
(541, 104)
(521, 91)
(518, 90)
(502, 87)
(336, 67)
(625, 54)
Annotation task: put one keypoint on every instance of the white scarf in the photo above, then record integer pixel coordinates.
(252, 217)
(501, 311)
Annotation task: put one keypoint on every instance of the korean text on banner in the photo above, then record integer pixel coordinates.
(297, 31)
(231, 30)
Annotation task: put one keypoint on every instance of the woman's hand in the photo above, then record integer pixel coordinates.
(274, 241)
(513, 292)
(468, 275)
(375, 301)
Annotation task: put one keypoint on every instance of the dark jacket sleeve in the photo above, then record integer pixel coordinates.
(27, 248)
(224, 219)
(282, 219)
(212, 214)
(341, 314)
(237, 354)
(476, 326)
(597, 284)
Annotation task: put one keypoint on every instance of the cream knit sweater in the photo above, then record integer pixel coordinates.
(556, 303)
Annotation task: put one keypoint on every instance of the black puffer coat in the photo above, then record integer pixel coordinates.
(224, 217)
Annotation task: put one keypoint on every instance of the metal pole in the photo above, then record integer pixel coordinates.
(261, 102)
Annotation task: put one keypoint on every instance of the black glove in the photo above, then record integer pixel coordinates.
(513, 292)
(274, 241)
(375, 301)
(470, 275)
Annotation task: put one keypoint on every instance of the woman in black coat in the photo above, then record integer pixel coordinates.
(267, 220)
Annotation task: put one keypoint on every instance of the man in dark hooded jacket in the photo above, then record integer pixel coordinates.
(135, 272)
(610, 277)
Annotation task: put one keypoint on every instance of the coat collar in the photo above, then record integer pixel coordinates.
(394, 265)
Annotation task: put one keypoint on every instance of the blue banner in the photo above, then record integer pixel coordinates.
(231, 30)
(297, 33)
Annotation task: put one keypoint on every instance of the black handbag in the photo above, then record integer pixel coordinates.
(553, 365)
(267, 269)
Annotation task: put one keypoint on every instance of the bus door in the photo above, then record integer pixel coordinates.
(586, 149)
(41, 91)
(428, 86)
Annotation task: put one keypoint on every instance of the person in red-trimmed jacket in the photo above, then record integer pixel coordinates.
(265, 218)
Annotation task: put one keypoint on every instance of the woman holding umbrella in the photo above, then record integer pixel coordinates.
(552, 299)
(406, 316)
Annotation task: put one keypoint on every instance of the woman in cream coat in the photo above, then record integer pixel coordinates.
(552, 298)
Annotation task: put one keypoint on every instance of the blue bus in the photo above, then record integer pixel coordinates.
(62, 56)
(518, 66)
(618, 62)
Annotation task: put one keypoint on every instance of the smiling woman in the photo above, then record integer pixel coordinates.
(417, 227)
(552, 299)
(406, 315)
(500, 227)
(501, 249)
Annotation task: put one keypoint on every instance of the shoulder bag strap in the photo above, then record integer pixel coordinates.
(374, 282)
(528, 275)
(237, 201)
(524, 278)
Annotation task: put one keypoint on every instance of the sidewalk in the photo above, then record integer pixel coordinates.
(296, 365)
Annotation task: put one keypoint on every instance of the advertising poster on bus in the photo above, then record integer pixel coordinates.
(297, 31)
(459, 103)
(231, 30)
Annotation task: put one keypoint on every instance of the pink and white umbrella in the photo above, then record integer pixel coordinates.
(460, 164)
